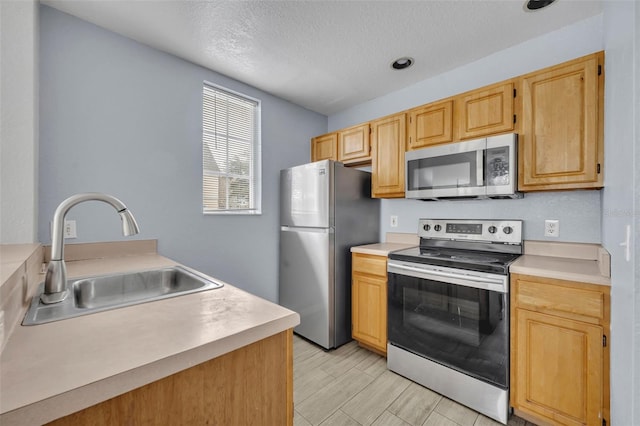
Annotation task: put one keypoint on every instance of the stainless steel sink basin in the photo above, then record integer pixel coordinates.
(100, 293)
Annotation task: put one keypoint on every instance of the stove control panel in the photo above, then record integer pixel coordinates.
(493, 231)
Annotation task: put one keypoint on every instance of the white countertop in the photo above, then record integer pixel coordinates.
(12, 256)
(51, 370)
(587, 263)
(380, 249)
(581, 270)
(393, 241)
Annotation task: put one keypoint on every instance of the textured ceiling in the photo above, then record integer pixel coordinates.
(328, 55)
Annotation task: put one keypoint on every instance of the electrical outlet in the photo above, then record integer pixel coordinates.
(394, 221)
(552, 228)
(70, 229)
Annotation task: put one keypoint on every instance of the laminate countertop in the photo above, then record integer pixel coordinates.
(380, 249)
(587, 263)
(580, 270)
(51, 370)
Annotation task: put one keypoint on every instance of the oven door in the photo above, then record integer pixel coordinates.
(452, 317)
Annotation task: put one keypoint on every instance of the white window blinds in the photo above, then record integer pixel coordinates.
(230, 152)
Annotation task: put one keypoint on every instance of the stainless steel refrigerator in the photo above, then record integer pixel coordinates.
(325, 209)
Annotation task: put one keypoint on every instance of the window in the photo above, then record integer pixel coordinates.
(230, 152)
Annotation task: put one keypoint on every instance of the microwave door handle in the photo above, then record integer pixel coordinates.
(480, 167)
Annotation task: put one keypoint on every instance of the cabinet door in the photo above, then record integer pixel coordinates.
(557, 368)
(486, 111)
(324, 147)
(388, 138)
(431, 125)
(369, 311)
(561, 141)
(353, 145)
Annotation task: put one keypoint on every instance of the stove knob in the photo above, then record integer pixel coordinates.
(508, 229)
(492, 229)
(426, 227)
(437, 228)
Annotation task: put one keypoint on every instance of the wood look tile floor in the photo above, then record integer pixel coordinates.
(351, 386)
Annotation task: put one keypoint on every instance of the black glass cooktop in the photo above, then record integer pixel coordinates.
(456, 258)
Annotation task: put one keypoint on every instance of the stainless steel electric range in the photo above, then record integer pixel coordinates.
(448, 310)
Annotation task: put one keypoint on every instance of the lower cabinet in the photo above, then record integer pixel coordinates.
(369, 301)
(252, 385)
(559, 354)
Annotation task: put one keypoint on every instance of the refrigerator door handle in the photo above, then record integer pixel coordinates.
(303, 229)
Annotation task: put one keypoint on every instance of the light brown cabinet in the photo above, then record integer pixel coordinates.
(252, 385)
(486, 111)
(388, 141)
(354, 146)
(324, 147)
(558, 113)
(369, 301)
(561, 143)
(559, 358)
(430, 124)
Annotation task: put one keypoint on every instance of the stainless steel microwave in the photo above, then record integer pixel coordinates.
(479, 168)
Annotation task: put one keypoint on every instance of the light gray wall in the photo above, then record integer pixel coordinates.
(18, 121)
(636, 247)
(621, 24)
(122, 118)
(577, 211)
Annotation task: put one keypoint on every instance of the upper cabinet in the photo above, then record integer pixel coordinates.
(561, 142)
(324, 147)
(430, 124)
(354, 145)
(486, 111)
(557, 112)
(388, 140)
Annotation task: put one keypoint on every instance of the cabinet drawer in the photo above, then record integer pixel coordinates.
(369, 264)
(564, 298)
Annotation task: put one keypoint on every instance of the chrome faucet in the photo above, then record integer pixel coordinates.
(55, 281)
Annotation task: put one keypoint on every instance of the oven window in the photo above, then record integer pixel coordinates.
(448, 171)
(464, 328)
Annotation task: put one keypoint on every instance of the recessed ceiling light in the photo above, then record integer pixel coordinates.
(402, 63)
(538, 4)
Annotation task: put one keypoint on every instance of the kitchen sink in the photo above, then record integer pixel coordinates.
(100, 293)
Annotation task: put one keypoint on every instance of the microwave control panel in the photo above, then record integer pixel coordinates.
(498, 166)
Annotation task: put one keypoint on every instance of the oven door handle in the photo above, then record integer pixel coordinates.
(447, 274)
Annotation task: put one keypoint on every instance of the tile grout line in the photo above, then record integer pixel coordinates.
(357, 353)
